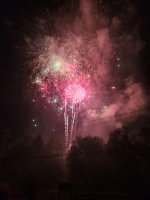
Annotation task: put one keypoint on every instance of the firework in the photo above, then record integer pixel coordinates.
(66, 87)
(84, 59)
(75, 93)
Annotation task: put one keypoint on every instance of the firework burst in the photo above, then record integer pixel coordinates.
(80, 60)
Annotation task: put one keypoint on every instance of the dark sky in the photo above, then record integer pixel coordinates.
(14, 108)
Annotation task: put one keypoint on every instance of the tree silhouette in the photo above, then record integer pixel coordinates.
(130, 147)
(89, 163)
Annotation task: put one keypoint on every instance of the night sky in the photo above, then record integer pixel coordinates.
(15, 109)
(16, 17)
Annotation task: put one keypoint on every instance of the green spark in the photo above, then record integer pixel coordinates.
(56, 65)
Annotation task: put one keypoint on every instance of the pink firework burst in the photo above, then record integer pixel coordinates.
(75, 93)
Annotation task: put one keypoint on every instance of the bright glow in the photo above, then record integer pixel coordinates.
(113, 87)
(55, 100)
(56, 65)
(75, 93)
